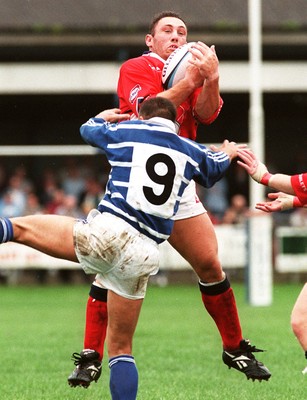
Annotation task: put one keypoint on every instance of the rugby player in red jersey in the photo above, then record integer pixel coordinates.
(198, 101)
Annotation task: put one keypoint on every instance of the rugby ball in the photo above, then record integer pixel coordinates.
(175, 66)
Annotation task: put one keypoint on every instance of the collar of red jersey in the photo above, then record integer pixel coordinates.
(155, 55)
(165, 122)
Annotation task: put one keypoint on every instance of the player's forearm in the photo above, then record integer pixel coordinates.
(285, 199)
(208, 100)
(91, 132)
(213, 169)
(281, 182)
(179, 92)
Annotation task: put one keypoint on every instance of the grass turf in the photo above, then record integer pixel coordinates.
(177, 346)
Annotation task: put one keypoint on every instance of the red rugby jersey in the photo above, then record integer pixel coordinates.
(140, 78)
(299, 184)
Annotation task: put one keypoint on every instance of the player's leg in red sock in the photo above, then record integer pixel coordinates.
(88, 362)
(96, 320)
(219, 300)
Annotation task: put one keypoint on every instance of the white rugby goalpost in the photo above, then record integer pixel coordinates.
(259, 263)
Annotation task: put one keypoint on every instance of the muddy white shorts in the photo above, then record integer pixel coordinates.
(122, 257)
(190, 205)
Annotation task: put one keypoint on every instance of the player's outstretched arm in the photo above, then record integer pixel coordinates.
(259, 172)
(281, 201)
(215, 162)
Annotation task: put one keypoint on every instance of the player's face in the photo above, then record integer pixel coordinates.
(170, 33)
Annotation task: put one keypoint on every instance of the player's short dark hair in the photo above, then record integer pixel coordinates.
(161, 15)
(158, 107)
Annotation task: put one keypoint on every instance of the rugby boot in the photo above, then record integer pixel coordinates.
(244, 361)
(88, 368)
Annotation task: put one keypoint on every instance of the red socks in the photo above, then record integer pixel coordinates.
(218, 300)
(96, 320)
(220, 303)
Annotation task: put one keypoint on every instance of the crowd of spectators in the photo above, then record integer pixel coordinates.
(63, 185)
(72, 188)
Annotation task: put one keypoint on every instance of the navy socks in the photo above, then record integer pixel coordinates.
(6, 230)
(123, 378)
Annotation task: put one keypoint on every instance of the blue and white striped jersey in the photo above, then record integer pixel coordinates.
(150, 168)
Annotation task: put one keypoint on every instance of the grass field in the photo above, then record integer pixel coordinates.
(177, 347)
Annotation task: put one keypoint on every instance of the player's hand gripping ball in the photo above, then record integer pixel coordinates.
(176, 65)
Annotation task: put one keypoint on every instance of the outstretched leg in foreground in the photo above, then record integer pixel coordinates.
(50, 234)
(299, 320)
(194, 238)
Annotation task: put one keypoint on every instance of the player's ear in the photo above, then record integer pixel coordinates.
(148, 40)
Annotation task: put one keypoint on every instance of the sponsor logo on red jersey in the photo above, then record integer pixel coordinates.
(134, 93)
